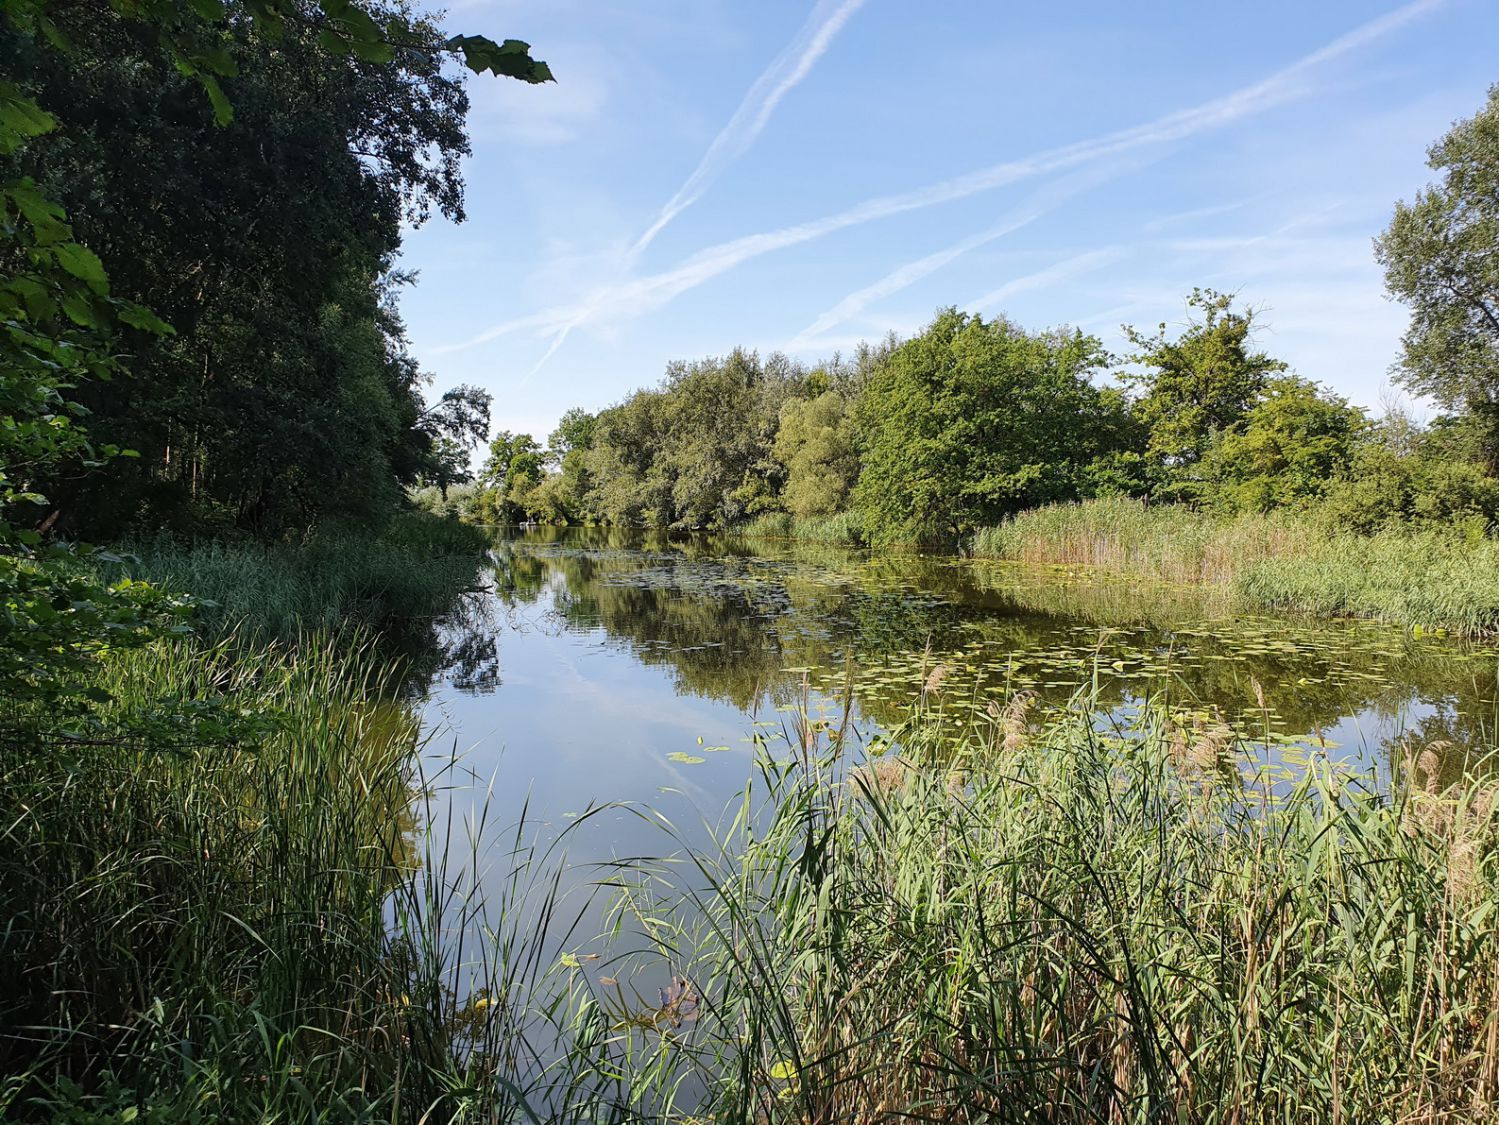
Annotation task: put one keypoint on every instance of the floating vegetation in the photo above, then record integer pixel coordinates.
(750, 622)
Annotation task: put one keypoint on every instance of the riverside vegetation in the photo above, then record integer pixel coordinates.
(226, 894)
(965, 433)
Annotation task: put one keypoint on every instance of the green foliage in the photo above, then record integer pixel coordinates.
(971, 421)
(286, 395)
(1293, 443)
(695, 452)
(1199, 386)
(1403, 476)
(1441, 257)
(816, 442)
(1431, 579)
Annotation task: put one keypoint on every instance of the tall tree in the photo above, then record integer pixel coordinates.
(1199, 385)
(816, 443)
(1293, 444)
(1441, 257)
(973, 420)
(286, 392)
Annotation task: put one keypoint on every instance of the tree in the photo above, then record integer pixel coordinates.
(1292, 445)
(816, 444)
(574, 433)
(1441, 257)
(286, 393)
(696, 451)
(63, 328)
(972, 421)
(1199, 385)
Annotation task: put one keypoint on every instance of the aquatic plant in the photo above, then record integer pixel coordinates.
(412, 569)
(1048, 919)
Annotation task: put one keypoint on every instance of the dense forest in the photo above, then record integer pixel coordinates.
(959, 428)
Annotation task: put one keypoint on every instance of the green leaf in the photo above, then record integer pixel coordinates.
(138, 316)
(223, 112)
(333, 43)
(211, 10)
(20, 118)
(47, 219)
(80, 310)
(83, 264)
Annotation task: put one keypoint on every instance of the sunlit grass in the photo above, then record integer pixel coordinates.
(844, 528)
(1278, 561)
(410, 570)
(1047, 920)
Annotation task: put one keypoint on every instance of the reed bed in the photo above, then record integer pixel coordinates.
(1059, 921)
(226, 902)
(843, 528)
(1428, 579)
(411, 570)
(1278, 561)
(1168, 542)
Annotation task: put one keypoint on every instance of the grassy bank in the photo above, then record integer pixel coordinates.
(1046, 922)
(226, 902)
(843, 528)
(410, 570)
(1280, 561)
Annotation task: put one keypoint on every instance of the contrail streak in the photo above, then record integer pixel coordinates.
(641, 295)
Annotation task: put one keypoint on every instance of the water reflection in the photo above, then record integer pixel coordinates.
(741, 624)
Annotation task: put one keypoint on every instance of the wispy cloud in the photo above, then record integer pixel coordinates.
(637, 296)
(908, 274)
(785, 71)
(1065, 270)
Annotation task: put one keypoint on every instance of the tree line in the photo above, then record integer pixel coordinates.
(972, 420)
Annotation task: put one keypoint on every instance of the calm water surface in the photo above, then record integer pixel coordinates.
(606, 666)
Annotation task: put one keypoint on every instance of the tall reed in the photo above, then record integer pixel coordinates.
(224, 904)
(1058, 921)
(410, 571)
(845, 528)
(1164, 541)
(1277, 561)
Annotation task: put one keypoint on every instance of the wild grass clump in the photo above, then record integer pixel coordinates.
(845, 528)
(196, 887)
(413, 569)
(1067, 922)
(222, 906)
(1169, 542)
(1429, 579)
(1275, 561)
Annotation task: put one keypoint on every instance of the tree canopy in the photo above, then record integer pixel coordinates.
(1441, 257)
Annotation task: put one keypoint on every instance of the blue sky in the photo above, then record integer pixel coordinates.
(798, 175)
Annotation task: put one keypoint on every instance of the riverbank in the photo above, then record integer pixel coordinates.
(221, 904)
(1282, 561)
